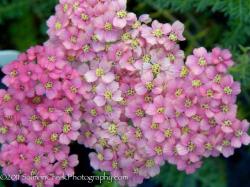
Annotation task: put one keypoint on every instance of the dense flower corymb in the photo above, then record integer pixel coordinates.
(122, 87)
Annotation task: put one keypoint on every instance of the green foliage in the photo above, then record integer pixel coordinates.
(211, 174)
(235, 12)
(105, 183)
(24, 22)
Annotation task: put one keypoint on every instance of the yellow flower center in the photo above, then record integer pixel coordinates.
(66, 128)
(171, 57)
(37, 159)
(208, 146)
(64, 164)
(158, 150)
(147, 58)
(33, 117)
(108, 94)
(93, 112)
(160, 110)
(178, 92)
(210, 93)
(156, 68)
(48, 85)
(108, 26)
(134, 43)
(184, 72)
(150, 163)
(121, 14)
(54, 137)
(87, 134)
(124, 138)
(197, 118)
(102, 142)
(100, 156)
(139, 112)
(39, 141)
(138, 133)
(108, 108)
(228, 90)
(7, 97)
(173, 37)
(73, 89)
(148, 99)
(114, 164)
(129, 153)
(227, 123)
(212, 122)
(99, 72)
(188, 103)
(196, 83)
(158, 33)
(58, 25)
(86, 48)
(130, 92)
(202, 61)
(20, 138)
(225, 108)
(73, 39)
(84, 17)
(239, 133)
(149, 86)
(154, 125)
(225, 143)
(37, 100)
(185, 130)
(13, 73)
(51, 59)
(217, 78)
(168, 133)
(191, 146)
(95, 38)
(69, 110)
(136, 25)
(126, 36)
(112, 129)
(3, 130)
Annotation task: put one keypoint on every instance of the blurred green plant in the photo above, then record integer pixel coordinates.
(24, 22)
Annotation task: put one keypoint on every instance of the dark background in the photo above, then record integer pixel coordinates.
(208, 23)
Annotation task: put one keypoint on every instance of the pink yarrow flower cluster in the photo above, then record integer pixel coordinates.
(40, 115)
(121, 86)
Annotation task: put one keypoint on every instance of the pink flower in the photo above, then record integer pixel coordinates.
(100, 159)
(87, 136)
(52, 58)
(74, 90)
(240, 134)
(65, 167)
(107, 93)
(12, 73)
(30, 72)
(49, 87)
(157, 33)
(106, 31)
(198, 61)
(100, 70)
(72, 38)
(47, 110)
(69, 131)
(228, 89)
(122, 18)
(222, 59)
(157, 109)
